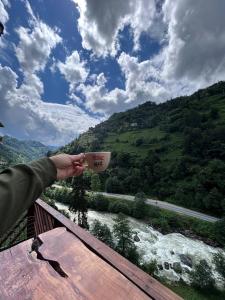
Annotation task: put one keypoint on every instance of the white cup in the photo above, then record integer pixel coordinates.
(97, 161)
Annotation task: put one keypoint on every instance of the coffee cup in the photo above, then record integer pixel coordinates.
(97, 161)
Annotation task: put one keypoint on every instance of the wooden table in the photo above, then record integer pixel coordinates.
(23, 276)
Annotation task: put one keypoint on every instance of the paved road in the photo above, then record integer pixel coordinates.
(165, 205)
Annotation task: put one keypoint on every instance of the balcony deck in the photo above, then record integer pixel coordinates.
(70, 264)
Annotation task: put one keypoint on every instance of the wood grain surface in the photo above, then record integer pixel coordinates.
(152, 287)
(23, 276)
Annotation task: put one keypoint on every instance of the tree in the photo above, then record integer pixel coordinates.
(219, 261)
(194, 142)
(113, 185)
(99, 202)
(214, 113)
(95, 183)
(78, 203)
(102, 232)
(202, 277)
(119, 207)
(139, 208)
(125, 244)
(150, 267)
(139, 142)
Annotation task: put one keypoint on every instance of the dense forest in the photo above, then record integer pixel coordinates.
(173, 151)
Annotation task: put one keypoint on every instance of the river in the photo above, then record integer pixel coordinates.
(169, 250)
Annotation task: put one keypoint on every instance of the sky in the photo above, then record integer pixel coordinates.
(67, 65)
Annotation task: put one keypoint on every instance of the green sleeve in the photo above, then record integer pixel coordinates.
(20, 186)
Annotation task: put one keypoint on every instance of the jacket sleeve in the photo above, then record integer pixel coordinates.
(20, 186)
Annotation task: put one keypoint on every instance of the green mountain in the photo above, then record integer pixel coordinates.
(174, 151)
(15, 151)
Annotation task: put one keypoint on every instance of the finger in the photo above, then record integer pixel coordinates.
(78, 171)
(78, 158)
(77, 164)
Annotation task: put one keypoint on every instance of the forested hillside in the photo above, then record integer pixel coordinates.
(15, 151)
(174, 151)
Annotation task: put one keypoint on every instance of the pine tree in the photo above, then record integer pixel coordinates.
(78, 203)
(95, 183)
(125, 243)
(102, 232)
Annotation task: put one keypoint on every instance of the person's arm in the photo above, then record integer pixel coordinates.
(21, 185)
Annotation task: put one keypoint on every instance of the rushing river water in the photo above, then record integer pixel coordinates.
(171, 251)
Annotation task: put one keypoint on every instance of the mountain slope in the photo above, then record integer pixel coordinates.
(16, 151)
(173, 151)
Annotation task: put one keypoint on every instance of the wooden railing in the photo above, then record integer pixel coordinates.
(41, 218)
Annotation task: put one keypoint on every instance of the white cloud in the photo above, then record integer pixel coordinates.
(196, 40)
(3, 12)
(23, 110)
(4, 17)
(26, 116)
(100, 22)
(143, 83)
(35, 46)
(74, 70)
(192, 55)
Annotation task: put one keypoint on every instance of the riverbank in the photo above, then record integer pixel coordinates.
(164, 221)
(169, 250)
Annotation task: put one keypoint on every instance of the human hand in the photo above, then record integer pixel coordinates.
(68, 165)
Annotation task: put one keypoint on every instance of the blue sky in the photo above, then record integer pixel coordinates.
(67, 65)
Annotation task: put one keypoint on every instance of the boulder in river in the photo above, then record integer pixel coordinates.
(166, 265)
(160, 267)
(177, 267)
(136, 238)
(186, 260)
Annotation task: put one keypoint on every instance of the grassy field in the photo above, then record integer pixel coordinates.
(153, 139)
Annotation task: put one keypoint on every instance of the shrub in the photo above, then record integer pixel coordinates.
(150, 267)
(219, 261)
(139, 206)
(119, 207)
(201, 277)
(161, 224)
(99, 202)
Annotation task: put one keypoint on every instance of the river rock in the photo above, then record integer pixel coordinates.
(177, 267)
(186, 260)
(160, 267)
(166, 265)
(136, 238)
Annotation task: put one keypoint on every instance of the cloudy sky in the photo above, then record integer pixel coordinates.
(67, 65)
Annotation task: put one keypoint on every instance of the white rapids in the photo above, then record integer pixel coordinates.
(165, 249)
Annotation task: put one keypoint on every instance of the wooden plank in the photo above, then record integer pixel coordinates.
(89, 277)
(146, 283)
